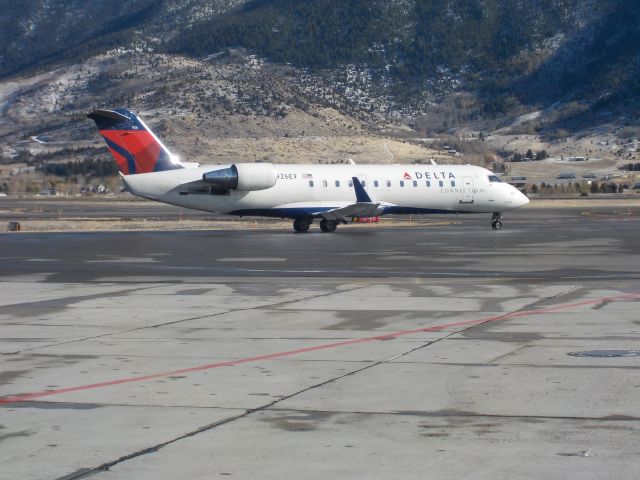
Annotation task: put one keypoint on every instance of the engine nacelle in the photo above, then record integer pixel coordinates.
(243, 177)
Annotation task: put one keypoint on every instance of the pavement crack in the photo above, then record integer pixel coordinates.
(200, 317)
(267, 406)
(83, 473)
(106, 466)
(246, 309)
(86, 472)
(461, 413)
(511, 352)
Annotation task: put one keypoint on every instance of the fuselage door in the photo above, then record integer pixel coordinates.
(467, 190)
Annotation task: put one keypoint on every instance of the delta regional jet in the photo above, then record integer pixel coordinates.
(332, 194)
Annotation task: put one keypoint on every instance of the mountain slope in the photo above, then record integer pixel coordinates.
(412, 36)
(404, 56)
(511, 52)
(602, 61)
(45, 32)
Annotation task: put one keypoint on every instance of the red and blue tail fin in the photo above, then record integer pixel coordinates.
(135, 148)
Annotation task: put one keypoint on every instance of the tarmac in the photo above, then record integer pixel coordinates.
(426, 351)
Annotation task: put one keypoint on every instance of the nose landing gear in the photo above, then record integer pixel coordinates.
(496, 221)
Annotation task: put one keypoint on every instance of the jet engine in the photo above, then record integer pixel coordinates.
(243, 177)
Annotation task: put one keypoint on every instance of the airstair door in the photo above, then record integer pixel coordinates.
(467, 190)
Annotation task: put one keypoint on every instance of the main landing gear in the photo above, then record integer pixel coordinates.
(301, 225)
(496, 221)
(328, 226)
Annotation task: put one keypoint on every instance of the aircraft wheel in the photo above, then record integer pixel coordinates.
(497, 225)
(328, 226)
(301, 225)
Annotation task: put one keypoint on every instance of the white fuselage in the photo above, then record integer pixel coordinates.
(307, 189)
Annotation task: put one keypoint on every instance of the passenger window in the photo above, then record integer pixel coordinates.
(415, 183)
(364, 183)
(337, 183)
(350, 183)
(375, 183)
(388, 183)
(324, 183)
(311, 183)
(441, 183)
(453, 183)
(428, 183)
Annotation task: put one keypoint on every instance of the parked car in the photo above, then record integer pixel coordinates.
(589, 175)
(518, 178)
(566, 176)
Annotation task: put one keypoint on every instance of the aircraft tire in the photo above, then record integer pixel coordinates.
(328, 226)
(497, 225)
(301, 225)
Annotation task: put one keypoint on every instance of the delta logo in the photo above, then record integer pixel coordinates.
(407, 176)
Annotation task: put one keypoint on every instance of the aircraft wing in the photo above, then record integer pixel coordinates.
(364, 206)
(359, 209)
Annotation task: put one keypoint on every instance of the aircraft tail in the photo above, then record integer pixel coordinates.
(134, 147)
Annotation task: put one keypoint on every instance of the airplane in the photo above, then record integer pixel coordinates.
(333, 194)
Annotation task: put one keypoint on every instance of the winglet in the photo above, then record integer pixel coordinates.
(361, 194)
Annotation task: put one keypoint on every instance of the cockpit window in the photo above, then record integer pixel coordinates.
(494, 178)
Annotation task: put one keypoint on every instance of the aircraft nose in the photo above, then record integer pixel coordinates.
(515, 198)
(521, 199)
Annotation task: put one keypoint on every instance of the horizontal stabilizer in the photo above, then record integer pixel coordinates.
(107, 116)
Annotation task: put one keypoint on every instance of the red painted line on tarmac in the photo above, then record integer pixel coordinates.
(271, 356)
